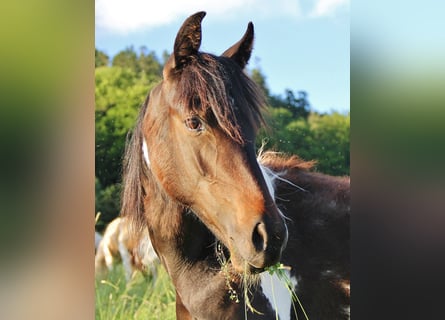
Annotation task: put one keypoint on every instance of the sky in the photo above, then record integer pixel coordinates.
(299, 44)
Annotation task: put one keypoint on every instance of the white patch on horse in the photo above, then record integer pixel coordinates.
(147, 255)
(107, 253)
(97, 239)
(269, 177)
(278, 294)
(145, 152)
(126, 259)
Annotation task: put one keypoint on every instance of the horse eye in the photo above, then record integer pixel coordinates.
(194, 124)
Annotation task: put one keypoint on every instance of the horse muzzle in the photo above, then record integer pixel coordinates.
(263, 248)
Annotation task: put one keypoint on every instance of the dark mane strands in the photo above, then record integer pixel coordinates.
(138, 183)
(216, 84)
(133, 174)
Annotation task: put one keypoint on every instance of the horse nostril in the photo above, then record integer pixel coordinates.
(259, 237)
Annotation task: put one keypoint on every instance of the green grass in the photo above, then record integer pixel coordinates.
(141, 298)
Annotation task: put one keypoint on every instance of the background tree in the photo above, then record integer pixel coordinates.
(101, 59)
(148, 63)
(126, 59)
(300, 106)
(165, 56)
(329, 142)
(119, 92)
(260, 80)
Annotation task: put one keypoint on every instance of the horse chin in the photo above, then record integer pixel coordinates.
(238, 264)
(242, 266)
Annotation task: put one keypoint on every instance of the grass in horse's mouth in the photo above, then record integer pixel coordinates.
(245, 279)
(250, 278)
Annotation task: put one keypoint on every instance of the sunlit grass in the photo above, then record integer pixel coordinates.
(141, 298)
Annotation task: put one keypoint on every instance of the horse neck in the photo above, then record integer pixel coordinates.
(318, 248)
(188, 252)
(163, 215)
(206, 289)
(176, 233)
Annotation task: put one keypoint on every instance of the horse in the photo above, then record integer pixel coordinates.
(318, 210)
(219, 217)
(118, 243)
(97, 240)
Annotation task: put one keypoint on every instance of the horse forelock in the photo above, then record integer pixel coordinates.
(216, 89)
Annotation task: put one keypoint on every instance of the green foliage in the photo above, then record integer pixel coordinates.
(165, 57)
(260, 80)
(330, 142)
(299, 107)
(126, 59)
(276, 135)
(145, 63)
(148, 64)
(120, 91)
(324, 138)
(119, 94)
(101, 59)
(107, 203)
(141, 298)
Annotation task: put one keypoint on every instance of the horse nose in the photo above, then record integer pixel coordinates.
(269, 243)
(259, 237)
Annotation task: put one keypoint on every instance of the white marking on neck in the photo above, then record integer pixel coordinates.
(145, 152)
(269, 177)
(272, 175)
(278, 294)
(97, 239)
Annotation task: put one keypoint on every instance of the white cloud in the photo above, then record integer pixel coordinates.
(131, 15)
(324, 8)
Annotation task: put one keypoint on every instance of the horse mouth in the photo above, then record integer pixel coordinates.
(237, 263)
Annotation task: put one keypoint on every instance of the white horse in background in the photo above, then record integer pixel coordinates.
(116, 243)
(97, 240)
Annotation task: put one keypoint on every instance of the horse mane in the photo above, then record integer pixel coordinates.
(209, 86)
(141, 194)
(295, 171)
(133, 175)
(279, 162)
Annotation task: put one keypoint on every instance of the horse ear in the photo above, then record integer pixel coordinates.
(188, 39)
(241, 51)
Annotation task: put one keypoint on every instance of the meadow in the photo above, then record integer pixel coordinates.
(140, 298)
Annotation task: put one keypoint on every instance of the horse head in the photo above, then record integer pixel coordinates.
(199, 132)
